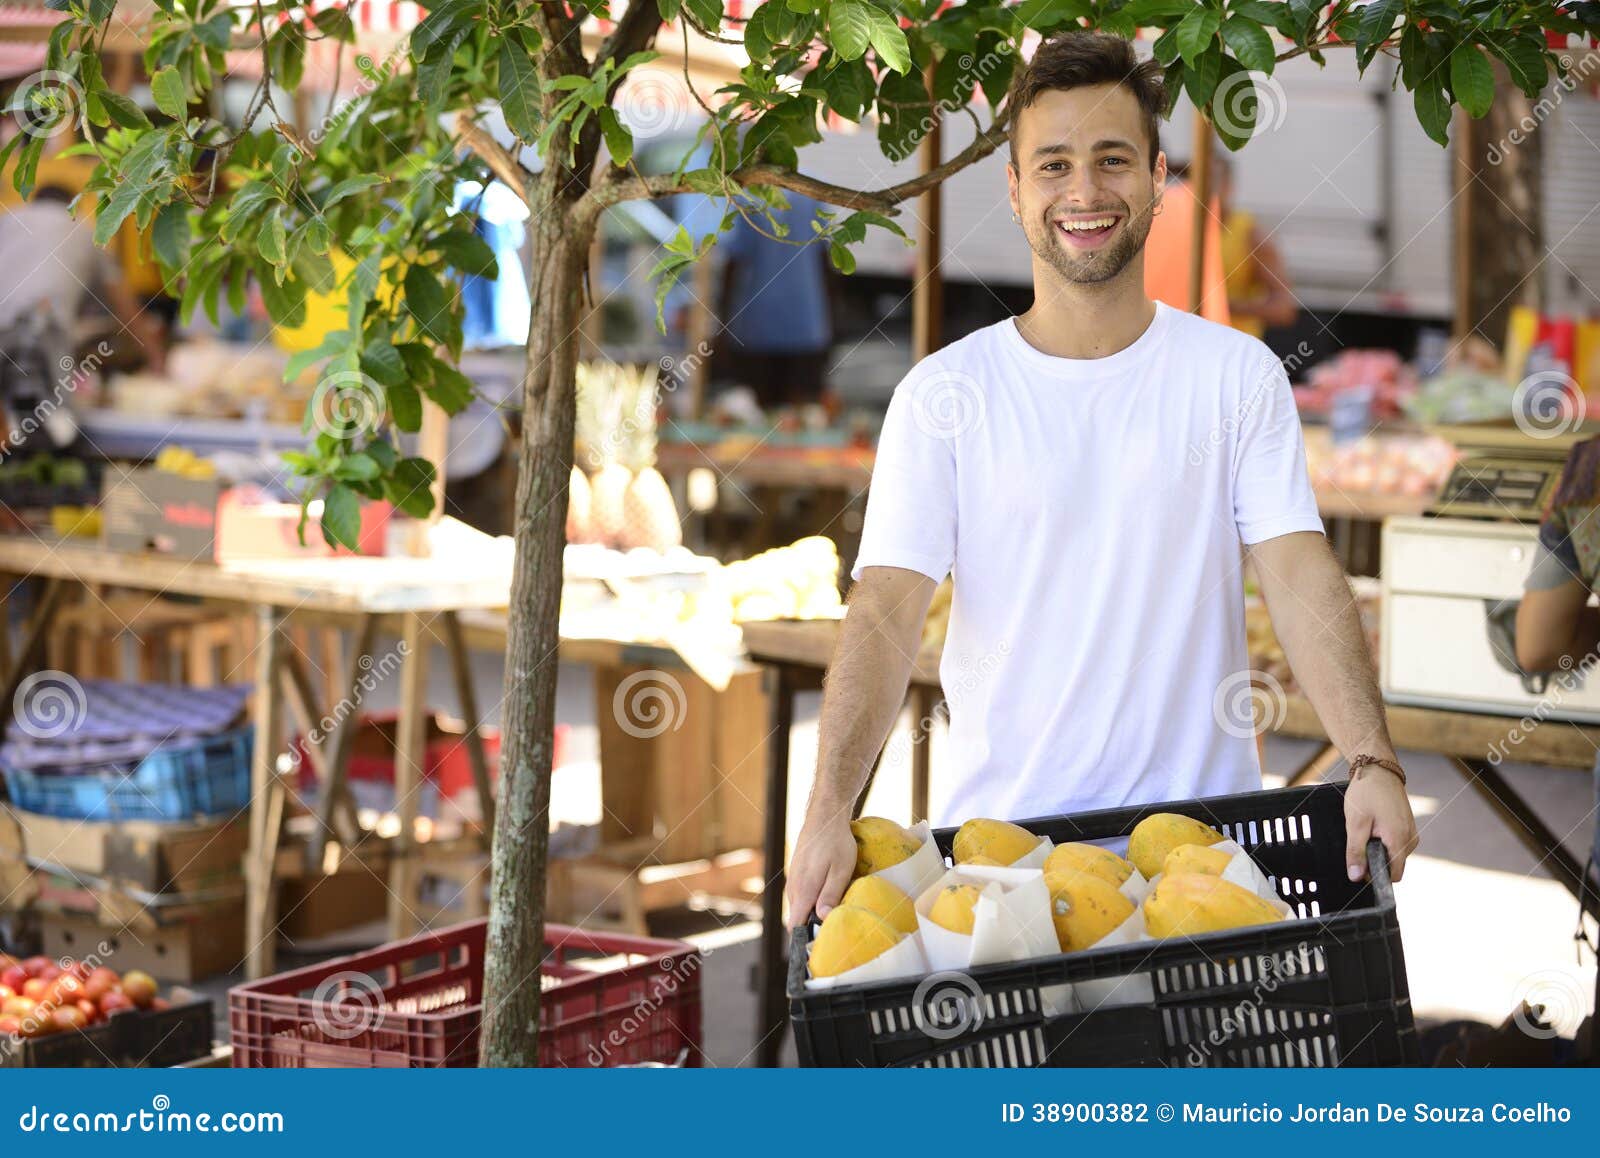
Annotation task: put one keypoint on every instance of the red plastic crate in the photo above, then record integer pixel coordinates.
(418, 1004)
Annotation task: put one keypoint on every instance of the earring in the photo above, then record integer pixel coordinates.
(1016, 217)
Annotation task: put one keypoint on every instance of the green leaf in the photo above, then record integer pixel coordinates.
(848, 28)
(409, 486)
(1235, 120)
(405, 407)
(1251, 45)
(443, 21)
(1525, 60)
(1433, 108)
(429, 303)
(619, 142)
(888, 40)
(904, 115)
(316, 236)
(1377, 22)
(450, 388)
(843, 260)
(997, 80)
(1196, 33)
(273, 240)
(1165, 48)
(341, 517)
(335, 22)
(1046, 15)
(349, 187)
(166, 89)
(466, 252)
(381, 362)
(848, 83)
(519, 92)
(1472, 79)
(170, 236)
(291, 52)
(707, 13)
(1200, 82)
(1147, 12)
(382, 454)
(115, 210)
(1275, 15)
(123, 111)
(358, 467)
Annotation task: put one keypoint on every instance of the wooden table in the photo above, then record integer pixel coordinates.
(418, 594)
(798, 654)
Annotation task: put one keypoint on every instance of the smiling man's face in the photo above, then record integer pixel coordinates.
(1081, 180)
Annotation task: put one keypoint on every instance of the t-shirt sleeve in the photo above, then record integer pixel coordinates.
(911, 507)
(1272, 493)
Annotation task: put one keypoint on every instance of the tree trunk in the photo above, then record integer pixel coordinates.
(510, 1035)
(1499, 162)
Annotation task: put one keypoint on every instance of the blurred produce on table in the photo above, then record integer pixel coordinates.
(1382, 372)
(1407, 465)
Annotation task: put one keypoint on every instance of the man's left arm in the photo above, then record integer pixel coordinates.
(1316, 619)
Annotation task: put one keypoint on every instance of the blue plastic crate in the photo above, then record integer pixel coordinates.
(206, 777)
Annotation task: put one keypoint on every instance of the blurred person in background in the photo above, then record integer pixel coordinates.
(1259, 297)
(777, 325)
(1170, 249)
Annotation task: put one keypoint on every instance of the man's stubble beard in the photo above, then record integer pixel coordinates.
(1101, 265)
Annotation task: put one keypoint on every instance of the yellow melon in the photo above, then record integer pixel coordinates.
(1188, 904)
(1196, 858)
(1088, 858)
(953, 908)
(850, 937)
(880, 844)
(1158, 834)
(1084, 908)
(877, 895)
(999, 840)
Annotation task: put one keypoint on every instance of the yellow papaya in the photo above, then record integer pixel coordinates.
(1160, 833)
(999, 840)
(1088, 858)
(1084, 908)
(880, 844)
(877, 895)
(1188, 904)
(1195, 858)
(953, 908)
(850, 937)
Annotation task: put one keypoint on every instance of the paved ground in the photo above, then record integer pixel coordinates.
(1484, 926)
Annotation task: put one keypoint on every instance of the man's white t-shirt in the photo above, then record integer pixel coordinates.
(1091, 512)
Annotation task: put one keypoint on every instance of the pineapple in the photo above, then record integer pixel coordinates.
(649, 516)
(579, 503)
(599, 439)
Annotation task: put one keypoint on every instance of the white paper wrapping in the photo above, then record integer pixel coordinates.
(1132, 989)
(905, 959)
(1011, 922)
(913, 875)
(1135, 888)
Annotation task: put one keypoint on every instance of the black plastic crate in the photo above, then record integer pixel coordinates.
(143, 1039)
(1326, 988)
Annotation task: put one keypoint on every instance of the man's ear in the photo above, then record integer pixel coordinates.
(1011, 187)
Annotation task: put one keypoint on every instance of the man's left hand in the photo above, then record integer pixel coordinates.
(1376, 804)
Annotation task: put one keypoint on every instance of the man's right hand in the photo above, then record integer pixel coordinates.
(820, 870)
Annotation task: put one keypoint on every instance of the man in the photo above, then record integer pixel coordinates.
(1087, 472)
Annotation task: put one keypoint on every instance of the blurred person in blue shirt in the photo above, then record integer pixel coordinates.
(776, 319)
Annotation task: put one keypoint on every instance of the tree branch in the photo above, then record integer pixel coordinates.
(635, 32)
(615, 187)
(563, 46)
(501, 163)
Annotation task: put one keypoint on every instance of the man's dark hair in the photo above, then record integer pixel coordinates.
(1071, 60)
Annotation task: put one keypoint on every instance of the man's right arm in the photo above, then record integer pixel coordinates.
(862, 696)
